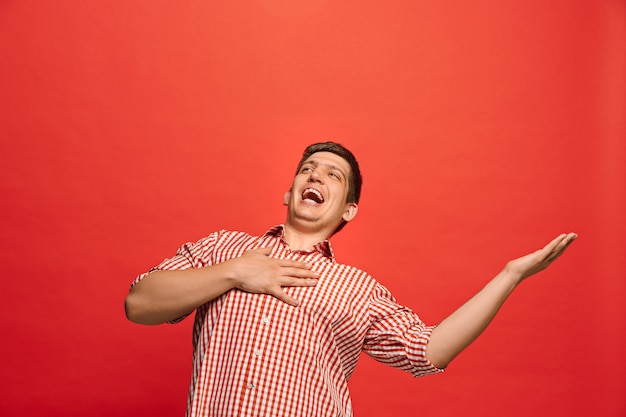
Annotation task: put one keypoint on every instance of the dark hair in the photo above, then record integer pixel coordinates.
(354, 180)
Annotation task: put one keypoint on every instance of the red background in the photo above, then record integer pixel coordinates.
(483, 129)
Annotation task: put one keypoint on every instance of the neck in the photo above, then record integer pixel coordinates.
(303, 240)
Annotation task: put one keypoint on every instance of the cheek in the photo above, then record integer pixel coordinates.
(344, 193)
(339, 202)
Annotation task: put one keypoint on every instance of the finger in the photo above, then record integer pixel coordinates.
(298, 282)
(564, 244)
(284, 297)
(549, 249)
(555, 242)
(561, 246)
(566, 241)
(289, 263)
(300, 273)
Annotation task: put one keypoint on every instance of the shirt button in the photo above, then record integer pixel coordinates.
(257, 353)
(265, 320)
(251, 386)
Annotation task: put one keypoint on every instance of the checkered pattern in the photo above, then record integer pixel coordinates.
(257, 356)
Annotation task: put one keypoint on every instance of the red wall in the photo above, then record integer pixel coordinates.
(483, 129)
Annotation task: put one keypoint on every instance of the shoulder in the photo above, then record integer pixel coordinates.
(230, 244)
(217, 239)
(235, 237)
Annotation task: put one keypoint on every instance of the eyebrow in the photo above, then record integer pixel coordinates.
(331, 166)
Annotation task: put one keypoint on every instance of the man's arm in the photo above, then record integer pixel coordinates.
(163, 296)
(463, 326)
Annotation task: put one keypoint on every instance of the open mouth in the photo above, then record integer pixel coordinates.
(312, 195)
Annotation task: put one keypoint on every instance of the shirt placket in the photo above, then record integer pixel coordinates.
(254, 378)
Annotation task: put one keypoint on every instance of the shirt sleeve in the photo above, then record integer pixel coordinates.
(189, 255)
(396, 335)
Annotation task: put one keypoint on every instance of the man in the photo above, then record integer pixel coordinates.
(280, 325)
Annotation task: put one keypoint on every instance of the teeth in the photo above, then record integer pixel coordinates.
(317, 196)
(317, 193)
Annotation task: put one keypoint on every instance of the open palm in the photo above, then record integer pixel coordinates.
(539, 260)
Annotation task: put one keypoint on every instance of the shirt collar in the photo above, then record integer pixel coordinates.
(323, 248)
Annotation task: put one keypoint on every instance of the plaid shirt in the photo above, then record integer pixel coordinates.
(257, 356)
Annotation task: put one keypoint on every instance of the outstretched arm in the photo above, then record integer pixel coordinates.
(163, 296)
(463, 326)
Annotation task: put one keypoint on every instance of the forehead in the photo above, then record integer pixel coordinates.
(329, 159)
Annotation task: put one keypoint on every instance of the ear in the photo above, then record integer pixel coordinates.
(287, 197)
(351, 211)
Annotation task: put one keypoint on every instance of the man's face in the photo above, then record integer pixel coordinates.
(317, 199)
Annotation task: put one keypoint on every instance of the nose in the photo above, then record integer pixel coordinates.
(315, 176)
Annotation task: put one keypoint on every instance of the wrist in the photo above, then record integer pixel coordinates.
(511, 276)
(229, 274)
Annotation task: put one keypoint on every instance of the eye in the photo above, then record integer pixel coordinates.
(334, 175)
(305, 169)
